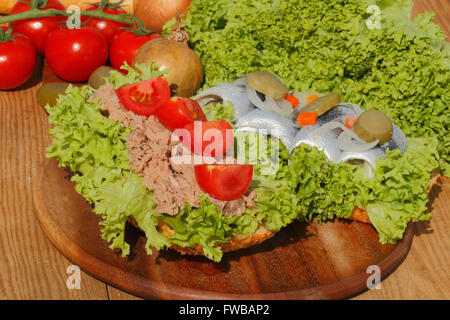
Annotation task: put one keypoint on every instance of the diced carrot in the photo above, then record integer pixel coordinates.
(311, 98)
(350, 121)
(307, 118)
(293, 100)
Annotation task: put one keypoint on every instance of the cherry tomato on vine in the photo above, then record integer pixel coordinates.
(179, 112)
(144, 97)
(108, 28)
(224, 181)
(17, 60)
(37, 29)
(73, 54)
(125, 45)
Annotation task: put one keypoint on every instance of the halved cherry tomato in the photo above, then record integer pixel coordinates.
(145, 97)
(224, 181)
(179, 112)
(209, 138)
(37, 29)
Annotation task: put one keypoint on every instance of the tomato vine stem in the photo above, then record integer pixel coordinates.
(36, 13)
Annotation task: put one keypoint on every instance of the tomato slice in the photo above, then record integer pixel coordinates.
(224, 181)
(179, 112)
(144, 97)
(209, 138)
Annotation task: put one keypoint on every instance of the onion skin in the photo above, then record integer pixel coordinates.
(155, 13)
(185, 69)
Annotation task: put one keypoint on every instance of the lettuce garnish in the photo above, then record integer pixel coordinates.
(402, 69)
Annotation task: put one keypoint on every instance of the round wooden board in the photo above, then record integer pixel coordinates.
(302, 261)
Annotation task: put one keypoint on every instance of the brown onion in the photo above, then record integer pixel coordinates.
(155, 13)
(185, 69)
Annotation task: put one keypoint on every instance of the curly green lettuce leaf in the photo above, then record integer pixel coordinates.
(219, 111)
(401, 69)
(390, 223)
(400, 187)
(140, 72)
(276, 201)
(94, 148)
(205, 226)
(396, 194)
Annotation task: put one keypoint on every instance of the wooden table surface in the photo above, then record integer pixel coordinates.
(31, 268)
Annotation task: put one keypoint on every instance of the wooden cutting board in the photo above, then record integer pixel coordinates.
(302, 261)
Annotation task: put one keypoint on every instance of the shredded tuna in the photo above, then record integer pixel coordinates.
(167, 167)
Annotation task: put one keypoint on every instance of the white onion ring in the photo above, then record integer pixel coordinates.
(240, 82)
(282, 108)
(344, 140)
(267, 106)
(286, 109)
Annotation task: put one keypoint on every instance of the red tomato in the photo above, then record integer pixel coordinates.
(179, 112)
(145, 97)
(210, 138)
(124, 47)
(108, 28)
(17, 61)
(224, 181)
(74, 54)
(37, 29)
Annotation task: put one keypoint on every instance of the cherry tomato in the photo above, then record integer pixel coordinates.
(17, 61)
(209, 138)
(125, 45)
(145, 97)
(179, 112)
(108, 28)
(224, 181)
(74, 54)
(37, 29)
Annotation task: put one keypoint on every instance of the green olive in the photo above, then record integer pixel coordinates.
(268, 84)
(49, 93)
(96, 79)
(322, 104)
(373, 125)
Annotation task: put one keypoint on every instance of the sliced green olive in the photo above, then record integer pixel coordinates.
(268, 84)
(373, 125)
(96, 79)
(323, 104)
(49, 93)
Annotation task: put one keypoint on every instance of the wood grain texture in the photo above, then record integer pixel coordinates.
(30, 268)
(425, 274)
(302, 261)
(440, 7)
